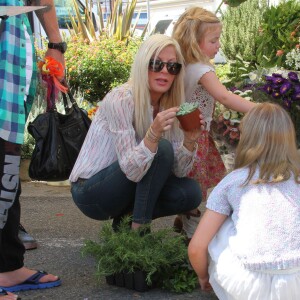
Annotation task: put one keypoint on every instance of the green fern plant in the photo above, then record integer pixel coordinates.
(126, 250)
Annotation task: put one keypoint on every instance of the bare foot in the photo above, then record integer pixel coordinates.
(8, 279)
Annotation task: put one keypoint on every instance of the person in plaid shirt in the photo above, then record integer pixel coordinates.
(17, 89)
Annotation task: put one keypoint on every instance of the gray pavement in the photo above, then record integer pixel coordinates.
(50, 215)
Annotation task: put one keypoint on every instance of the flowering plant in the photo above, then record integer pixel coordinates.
(293, 58)
(228, 120)
(285, 90)
(92, 111)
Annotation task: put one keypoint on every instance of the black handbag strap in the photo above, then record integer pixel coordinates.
(52, 106)
(71, 99)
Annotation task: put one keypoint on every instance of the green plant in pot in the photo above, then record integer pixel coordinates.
(140, 257)
(188, 116)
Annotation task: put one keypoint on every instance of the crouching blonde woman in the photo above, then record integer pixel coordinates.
(135, 157)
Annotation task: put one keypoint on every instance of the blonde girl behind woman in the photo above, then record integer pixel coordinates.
(254, 214)
(198, 34)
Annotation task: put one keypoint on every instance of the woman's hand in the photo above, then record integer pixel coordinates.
(164, 120)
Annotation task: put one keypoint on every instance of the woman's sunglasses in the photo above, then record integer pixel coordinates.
(156, 65)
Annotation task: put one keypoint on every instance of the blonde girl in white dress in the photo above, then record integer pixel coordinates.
(247, 245)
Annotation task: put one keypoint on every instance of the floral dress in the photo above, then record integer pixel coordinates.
(208, 168)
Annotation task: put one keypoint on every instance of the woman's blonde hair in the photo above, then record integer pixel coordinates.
(190, 29)
(140, 83)
(268, 141)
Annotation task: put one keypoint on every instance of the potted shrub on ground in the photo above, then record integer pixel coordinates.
(139, 257)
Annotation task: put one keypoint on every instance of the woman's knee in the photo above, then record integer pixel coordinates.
(165, 152)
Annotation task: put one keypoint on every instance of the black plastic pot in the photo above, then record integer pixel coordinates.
(129, 280)
(110, 279)
(133, 281)
(119, 278)
(140, 284)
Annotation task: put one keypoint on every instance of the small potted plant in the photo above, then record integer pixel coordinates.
(188, 116)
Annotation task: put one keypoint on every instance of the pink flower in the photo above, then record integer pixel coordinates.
(279, 52)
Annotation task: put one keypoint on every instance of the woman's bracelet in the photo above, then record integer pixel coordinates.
(151, 136)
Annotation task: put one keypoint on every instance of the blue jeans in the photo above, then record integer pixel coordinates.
(110, 194)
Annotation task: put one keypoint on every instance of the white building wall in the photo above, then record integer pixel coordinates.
(164, 9)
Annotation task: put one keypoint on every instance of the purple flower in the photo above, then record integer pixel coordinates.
(276, 94)
(287, 103)
(285, 87)
(278, 80)
(296, 96)
(276, 87)
(269, 78)
(267, 88)
(277, 75)
(293, 76)
(297, 88)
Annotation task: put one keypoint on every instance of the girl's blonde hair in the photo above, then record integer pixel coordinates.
(268, 141)
(140, 83)
(190, 29)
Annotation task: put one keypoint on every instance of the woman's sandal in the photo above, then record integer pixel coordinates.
(187, 223)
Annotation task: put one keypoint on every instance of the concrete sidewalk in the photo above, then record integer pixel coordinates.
(50, 215)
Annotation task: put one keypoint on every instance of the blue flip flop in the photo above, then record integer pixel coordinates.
(32, 283)
(3, 293)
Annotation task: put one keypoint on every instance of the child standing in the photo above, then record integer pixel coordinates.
(256, 253)
(198, 33)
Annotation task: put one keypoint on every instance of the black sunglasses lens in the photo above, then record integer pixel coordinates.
(173, 68)
(157, 65)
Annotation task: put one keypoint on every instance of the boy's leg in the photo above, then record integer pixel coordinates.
(11, 248)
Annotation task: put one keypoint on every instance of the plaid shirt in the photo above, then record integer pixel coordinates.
(13, 109)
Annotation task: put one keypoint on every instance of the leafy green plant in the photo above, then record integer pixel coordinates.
(279, 33)
(97, 67)
(128, 250)
(179, 279)
(118, 26)
(186, 108)
(240, 26)
(222, 71)
(239, 72)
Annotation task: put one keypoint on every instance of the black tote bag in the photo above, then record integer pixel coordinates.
(58, 140)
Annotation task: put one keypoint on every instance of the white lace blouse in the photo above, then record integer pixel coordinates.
(112, 137)
(195, 92)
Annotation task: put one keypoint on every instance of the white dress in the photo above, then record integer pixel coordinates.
(230, 280)
(256, 253)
